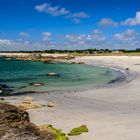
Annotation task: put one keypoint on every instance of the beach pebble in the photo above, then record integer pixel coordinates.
(50, 104)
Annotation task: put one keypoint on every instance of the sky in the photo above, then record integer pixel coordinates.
(69, 24)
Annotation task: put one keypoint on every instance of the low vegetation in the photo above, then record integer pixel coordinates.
(59, 135)
(78, 130)
(93, 52)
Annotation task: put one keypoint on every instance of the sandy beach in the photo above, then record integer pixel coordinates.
(111, 113)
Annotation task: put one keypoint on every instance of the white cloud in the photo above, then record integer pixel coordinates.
(126, 39)
(46, 36)
(61, 11)
(79, 15)
(128, 35)
(52, 10)
(6, 42)
(24, 34)
(76, 17)
(107, 22)
(132, 21)
(83, 41)
(96, 36)
(76, 21)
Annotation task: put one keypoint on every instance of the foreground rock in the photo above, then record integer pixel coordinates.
(15, 125)
(59, 135)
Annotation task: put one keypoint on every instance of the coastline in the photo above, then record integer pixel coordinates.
(123, 76)
(110, 113)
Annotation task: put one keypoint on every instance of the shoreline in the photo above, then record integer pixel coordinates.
(124, 76)
(110, 113)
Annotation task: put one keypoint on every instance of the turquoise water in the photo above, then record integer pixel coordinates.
(18, 75)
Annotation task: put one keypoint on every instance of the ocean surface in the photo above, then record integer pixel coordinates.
(19, 74)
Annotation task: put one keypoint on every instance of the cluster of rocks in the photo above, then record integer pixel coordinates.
(15, 125)
(44, 58)
(62, 62)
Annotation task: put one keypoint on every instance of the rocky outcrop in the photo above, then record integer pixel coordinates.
(15, 125)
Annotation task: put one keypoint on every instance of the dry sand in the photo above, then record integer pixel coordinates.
(111, 113)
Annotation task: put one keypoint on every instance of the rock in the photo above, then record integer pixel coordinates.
(28, 98)
(52, 74)
(22, 87)
(81, 62)
(47, 61)
(1, 91)
(5, 90)
(45, 130)
(26, 105)
(36, 84)
(12, 116)
(53, 132)
(73, 62)
(15, 125)
(127, 68)
(50, 104)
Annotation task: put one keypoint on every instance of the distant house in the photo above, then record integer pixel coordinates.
(116, 51)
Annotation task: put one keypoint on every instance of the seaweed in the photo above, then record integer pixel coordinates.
(78, 130)
(59, 134)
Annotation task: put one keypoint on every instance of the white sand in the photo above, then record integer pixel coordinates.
(111, 113)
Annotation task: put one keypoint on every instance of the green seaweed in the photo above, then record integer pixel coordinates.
(59, 134)
(78, 130)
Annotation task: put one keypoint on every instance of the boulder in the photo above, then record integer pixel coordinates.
(12, 116)
(15, 125)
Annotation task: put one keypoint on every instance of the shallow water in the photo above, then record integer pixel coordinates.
(18, 75)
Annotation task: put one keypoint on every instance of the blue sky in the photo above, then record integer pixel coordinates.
(69, 24)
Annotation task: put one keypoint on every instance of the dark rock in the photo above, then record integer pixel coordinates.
(22, 87)
(5, 90)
